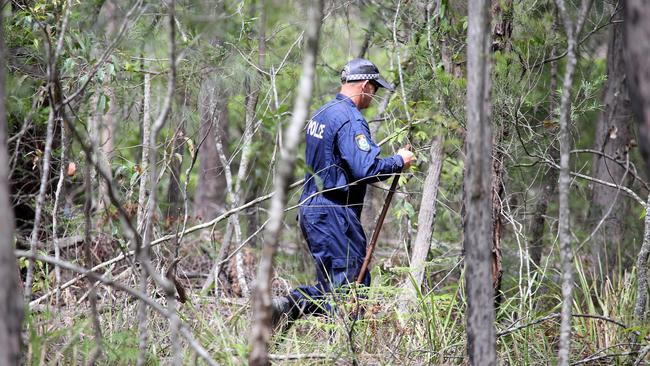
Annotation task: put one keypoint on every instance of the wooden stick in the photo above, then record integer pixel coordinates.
(380, 222)
(375, 234)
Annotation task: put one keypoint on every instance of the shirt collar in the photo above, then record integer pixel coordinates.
(349, 101)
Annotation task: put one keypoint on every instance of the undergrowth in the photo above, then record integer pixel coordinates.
(429, 331)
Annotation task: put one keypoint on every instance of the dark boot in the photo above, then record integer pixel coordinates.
(280, 309)
(284, 311)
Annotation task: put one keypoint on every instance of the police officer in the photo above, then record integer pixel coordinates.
(342, 159)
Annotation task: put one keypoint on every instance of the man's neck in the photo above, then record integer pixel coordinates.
(354, 95)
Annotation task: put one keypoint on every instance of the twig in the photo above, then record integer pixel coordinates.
(644, 352)
(45, 171)
(399, 64)
(557, 315)
(596, 358)
(620, 163)
(55, 209)
(625, 189)
(300, 356)
(64, 26)
(583, 40)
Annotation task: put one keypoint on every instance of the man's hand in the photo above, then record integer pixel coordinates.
(407, 156)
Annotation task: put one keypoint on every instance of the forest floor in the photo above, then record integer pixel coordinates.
(430, 331)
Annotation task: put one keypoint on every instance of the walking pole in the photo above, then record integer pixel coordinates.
(380, 221)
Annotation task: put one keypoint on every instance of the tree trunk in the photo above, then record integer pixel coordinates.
(637, 49)
(144, 162)
(481, 343)
(613, 137)
(426, 217)
(11, 305)
(566, 251)
(641, 305)
(261, 325)
(105, 127)
(210, 195)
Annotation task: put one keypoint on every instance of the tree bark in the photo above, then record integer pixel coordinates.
(261, 325)
(637, 49)
(105, 127)
(641, 305)
(426, 217)
(144, 162)
(210, 196)
(481, 343)
(566, 251)
(613, 137)
(11, 305)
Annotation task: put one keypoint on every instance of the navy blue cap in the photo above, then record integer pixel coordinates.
(362, 69)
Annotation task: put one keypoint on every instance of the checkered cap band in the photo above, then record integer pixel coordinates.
(360, 77)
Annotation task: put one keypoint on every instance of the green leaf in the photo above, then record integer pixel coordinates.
(101, 104)
(190, 147)
(410, 211)
(111, 69)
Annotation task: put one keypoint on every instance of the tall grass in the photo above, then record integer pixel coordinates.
(431, 332)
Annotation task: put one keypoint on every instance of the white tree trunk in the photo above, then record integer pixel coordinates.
(144, 165)
(481, 343)
(566, 252)
(261, 325)
(426, 217)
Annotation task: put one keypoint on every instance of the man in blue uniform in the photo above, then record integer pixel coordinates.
(342, 159)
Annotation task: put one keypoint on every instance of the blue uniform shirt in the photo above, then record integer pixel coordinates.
(341, 157)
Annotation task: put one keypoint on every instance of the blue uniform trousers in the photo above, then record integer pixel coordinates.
(338, 246)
